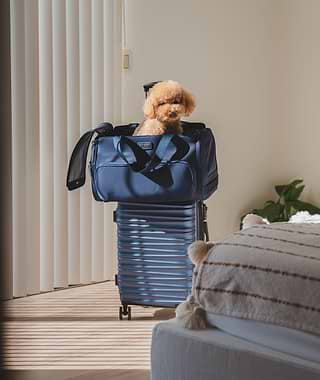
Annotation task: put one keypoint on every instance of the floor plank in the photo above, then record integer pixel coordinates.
(75, 334)
(77, 375)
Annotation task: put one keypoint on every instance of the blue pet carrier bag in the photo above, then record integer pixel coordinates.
(160, 183)
(147, 169)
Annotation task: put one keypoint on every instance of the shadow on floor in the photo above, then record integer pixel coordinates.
(107, 374)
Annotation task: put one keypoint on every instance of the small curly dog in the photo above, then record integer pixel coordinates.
(166, 103)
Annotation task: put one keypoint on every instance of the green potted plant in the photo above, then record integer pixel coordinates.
(288, 203)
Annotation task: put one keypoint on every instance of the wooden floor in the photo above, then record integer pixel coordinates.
(76, 334)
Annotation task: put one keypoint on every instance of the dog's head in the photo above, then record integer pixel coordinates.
(167, 102)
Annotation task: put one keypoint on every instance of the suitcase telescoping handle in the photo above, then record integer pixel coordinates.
(76, 176)
(148, 86)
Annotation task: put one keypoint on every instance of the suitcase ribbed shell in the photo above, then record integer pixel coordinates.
(153, 266)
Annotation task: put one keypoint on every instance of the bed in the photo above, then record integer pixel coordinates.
(212, 354)
(260, 293)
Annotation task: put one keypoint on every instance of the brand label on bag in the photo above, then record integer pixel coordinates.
(145, 145)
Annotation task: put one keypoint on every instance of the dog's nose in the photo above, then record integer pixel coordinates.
(173, 114)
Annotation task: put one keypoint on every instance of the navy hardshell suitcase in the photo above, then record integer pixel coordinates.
(153, 266)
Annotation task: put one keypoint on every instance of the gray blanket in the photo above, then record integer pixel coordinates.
(268, 273)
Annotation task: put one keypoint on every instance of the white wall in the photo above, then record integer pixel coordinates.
(222, 51)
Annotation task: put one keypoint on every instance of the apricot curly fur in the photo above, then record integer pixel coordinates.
(166, 103)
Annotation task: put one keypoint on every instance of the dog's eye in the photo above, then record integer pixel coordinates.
(161, 103)
(176, 102)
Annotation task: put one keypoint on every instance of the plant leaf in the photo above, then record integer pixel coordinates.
(305, 206)
(293, 194)
(286, 212)
(281, 189)
(296, 182)
(270, 202)
(273, 212)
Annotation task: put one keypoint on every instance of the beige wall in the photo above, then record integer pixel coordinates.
(297, 90)
(220, 50)
(254, 68)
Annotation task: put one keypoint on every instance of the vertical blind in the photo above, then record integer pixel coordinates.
(66, 79)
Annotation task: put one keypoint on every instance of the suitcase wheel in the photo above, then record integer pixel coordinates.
(125, 310)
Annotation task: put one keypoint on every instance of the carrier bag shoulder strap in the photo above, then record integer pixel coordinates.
(76, 176)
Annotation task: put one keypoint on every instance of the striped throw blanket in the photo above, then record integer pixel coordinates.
(268, 273)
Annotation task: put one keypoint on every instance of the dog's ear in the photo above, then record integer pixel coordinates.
(148, 108)
(189, 102)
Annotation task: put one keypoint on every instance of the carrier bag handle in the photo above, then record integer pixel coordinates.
(140, 161)
(167, 148)
(131, 152)
(76, 176)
